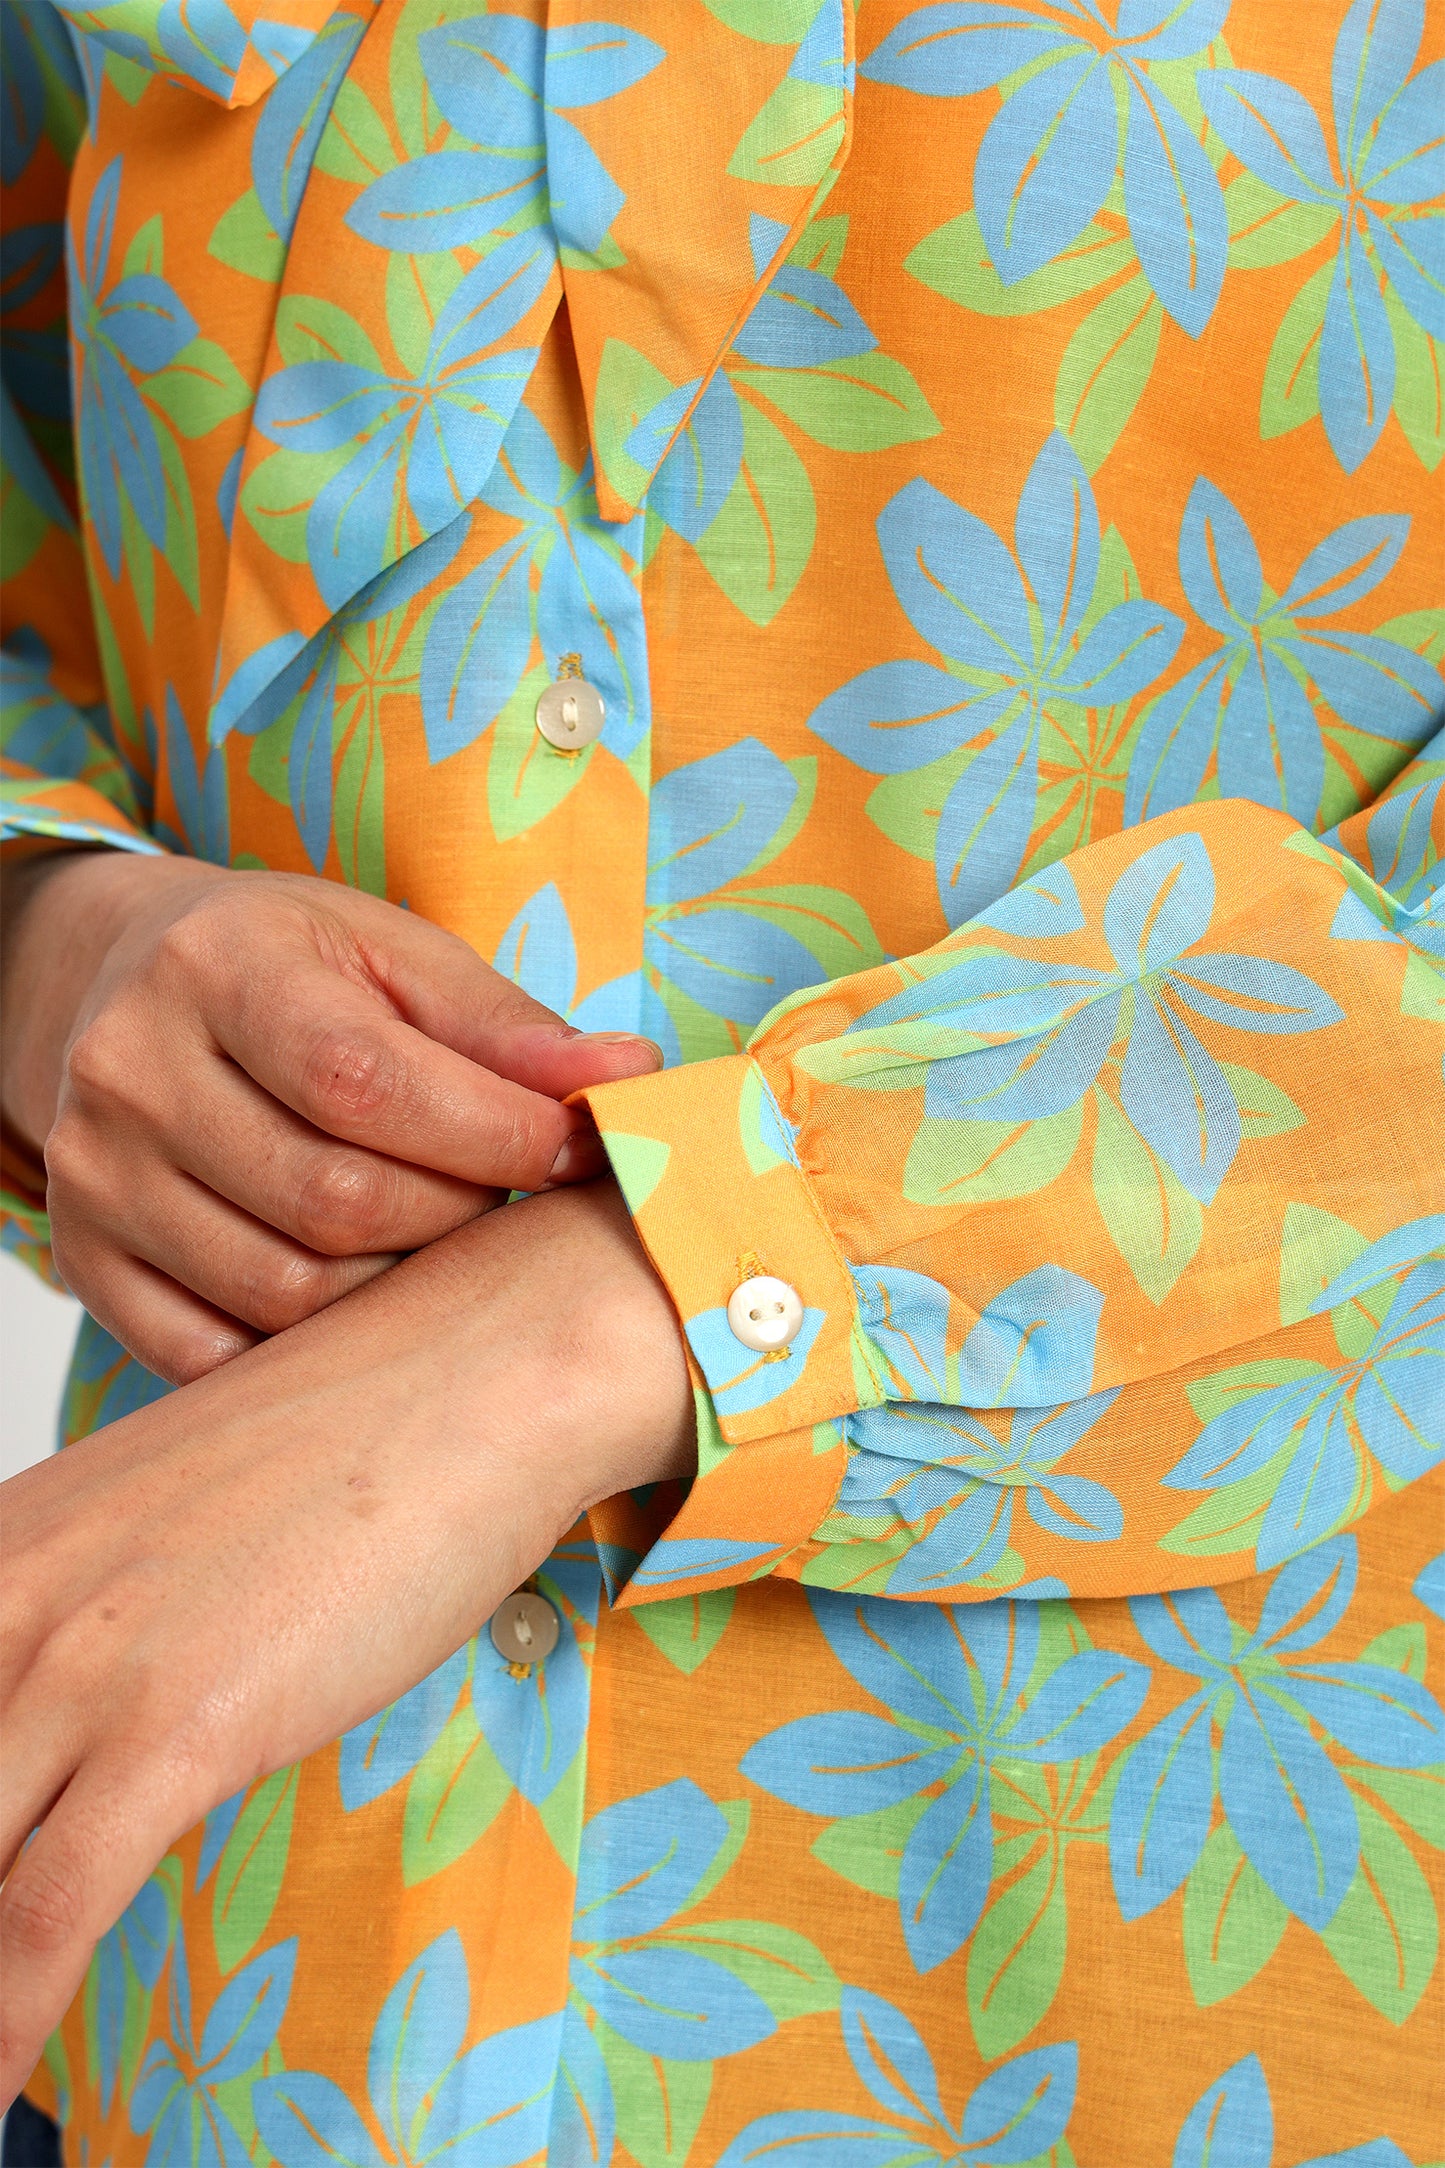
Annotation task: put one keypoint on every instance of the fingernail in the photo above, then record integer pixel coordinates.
(581, 1156)
(629, 1038)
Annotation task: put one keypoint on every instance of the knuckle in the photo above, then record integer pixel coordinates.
(97, 1067)
(194, 1355)
(43, 1907)
(192, 940)
(288, 1290)
(343, 1205)
(347, 1078)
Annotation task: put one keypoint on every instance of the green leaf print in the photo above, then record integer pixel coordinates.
(659, 2104)
(1264, 1109)
(1233, 1921)
(526, 778)
(310, 329)
(785, 1969)
(200, 389)
(1267, 228)
(867, 1849)
(456, 1792)
(354, 144)
(277, 495)
(865, 403)
(1385, 1936)
(418, 288)
(628, 387)
(769, 22)
(243, 239)
(954, 1163)
(1314, 1247)
(1155, 1224)
(1106, 365)
(908, 807)
(359, 809)
(759, 544)
(1016, 1957)
(1415, 1797)
(953, 261)
(828, 922)
(1291, 393)
(147, 250)
(252, 1867)
(819, 247)
(1419, 384)
(793, 139)
(687, 1629)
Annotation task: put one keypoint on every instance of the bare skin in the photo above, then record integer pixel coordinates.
(254, 1091)
(212, 1588)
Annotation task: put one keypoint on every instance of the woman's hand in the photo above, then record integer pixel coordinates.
(254, 1090)
(210, 1589)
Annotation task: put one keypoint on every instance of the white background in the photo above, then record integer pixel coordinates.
(37, 1332)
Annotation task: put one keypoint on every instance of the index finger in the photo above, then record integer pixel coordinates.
(323, 1048)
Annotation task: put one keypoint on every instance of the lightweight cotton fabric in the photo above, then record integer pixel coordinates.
(988, 477)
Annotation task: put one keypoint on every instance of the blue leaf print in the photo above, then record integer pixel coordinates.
(1177, 219)
(1288, 1806)
(905, 1314)
(1357, 356)
(1047, 162)
(418, 2034)
(488, 2106)
(247, 2014)
(1389, 159)
(1023, 2108)
(710, 820)
(888, 2052)
(965, 1674)
(477, 649)
(306, 2121)
(537, 951)
(1017, 2115)
(642, 1858)
(588, 63)
(584, 2117)
(387, 1747)
(493, 2106)
(963, 592)
(1247, 701)
(1163, 1804)
(678, 1558)
(1281, 1793)
(947, 51)
(1033, 1344)
(1232, 2126)
(640, 1862)
(449, 199)
(900, 715)
(293, 117)
(689, 487)
(1049, 157)
(802, 321)
(955, 579)
(582, 196)
(1387, 1402)
(986, 822)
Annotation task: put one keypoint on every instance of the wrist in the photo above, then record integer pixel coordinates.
(580, 1361)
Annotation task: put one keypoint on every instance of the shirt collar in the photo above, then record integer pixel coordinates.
(229, 50)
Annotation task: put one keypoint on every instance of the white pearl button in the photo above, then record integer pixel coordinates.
(765, 1314)
(524, 1628)
(570, 714)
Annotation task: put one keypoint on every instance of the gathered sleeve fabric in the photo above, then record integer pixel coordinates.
(1116, 1220)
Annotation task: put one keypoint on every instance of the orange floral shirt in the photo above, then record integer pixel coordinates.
(901, 560)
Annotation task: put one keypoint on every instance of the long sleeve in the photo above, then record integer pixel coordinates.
(69, 765)
(1111, 1218)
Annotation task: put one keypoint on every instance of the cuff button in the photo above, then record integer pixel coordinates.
(765, 1314)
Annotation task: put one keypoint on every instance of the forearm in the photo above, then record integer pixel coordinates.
(224, 1582)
